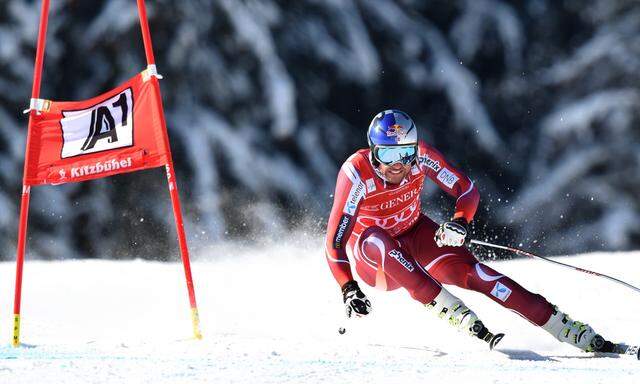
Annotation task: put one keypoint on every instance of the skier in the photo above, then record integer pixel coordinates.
(376, 222)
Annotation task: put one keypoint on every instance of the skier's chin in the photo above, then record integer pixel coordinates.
(395, 175)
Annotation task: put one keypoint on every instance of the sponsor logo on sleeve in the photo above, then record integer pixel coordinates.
(501, 291)
(355, 195)
(345, 220)
(394, 253)
(371, 185)
(429, 162)
(447, 177)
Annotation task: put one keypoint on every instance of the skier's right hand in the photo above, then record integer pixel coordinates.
(356, 303)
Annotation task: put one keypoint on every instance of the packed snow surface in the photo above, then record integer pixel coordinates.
(271, 315)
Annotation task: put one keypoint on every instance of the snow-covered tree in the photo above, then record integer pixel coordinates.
(536, 100)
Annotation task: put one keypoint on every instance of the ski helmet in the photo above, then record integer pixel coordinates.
(393, 137)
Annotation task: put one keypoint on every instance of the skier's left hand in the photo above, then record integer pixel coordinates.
(452, 233)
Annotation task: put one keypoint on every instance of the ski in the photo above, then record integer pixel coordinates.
(493, 340)
(621, 349)
(482, 333)
(604, 346)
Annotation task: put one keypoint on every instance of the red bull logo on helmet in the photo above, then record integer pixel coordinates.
(397, 131)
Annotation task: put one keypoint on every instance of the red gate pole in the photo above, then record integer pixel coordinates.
(26, 189)
(171, 176)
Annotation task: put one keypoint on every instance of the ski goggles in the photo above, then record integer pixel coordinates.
(404, 154)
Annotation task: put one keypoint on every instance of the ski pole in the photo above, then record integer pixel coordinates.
(531, 255)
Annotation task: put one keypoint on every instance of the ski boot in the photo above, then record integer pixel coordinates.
(578, 334)
(456, 313)
(584, 337)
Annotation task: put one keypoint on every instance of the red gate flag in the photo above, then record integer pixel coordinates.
(116, 132)
(123, 130)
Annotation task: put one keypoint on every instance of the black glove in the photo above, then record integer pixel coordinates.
(355, 301)
(452, 233)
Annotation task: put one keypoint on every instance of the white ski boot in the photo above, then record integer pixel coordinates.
(578, 334)
(450, 308)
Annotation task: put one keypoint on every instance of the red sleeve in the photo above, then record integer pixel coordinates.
(451, 180)
(346, 200)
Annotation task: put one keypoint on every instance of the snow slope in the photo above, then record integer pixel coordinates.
(271, 315)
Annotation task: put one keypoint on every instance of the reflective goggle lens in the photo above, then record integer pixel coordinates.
(390, 155)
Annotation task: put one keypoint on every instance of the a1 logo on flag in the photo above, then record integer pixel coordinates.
(102, 127)
(83, 140)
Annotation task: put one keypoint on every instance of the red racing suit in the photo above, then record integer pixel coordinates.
(379, 227)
